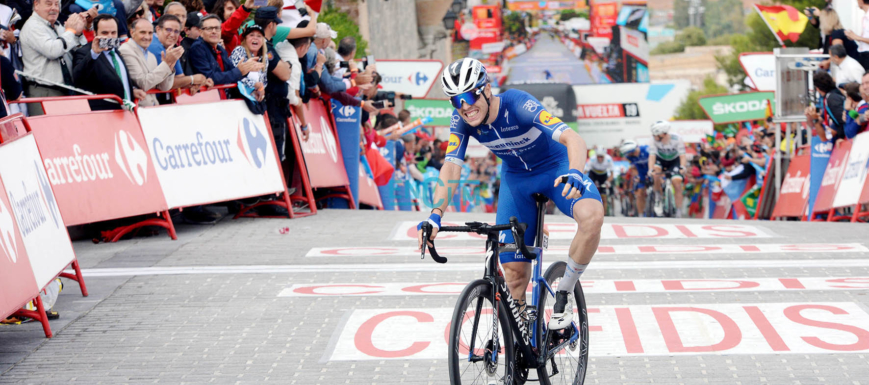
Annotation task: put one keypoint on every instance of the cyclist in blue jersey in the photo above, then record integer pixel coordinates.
(538, 151)
(639, 158)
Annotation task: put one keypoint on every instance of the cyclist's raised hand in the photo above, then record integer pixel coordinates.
(575, 184)
(435, 221)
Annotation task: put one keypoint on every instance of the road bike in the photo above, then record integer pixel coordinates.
(668, 201)
(492, 341)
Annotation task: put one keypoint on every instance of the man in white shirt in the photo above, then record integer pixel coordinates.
(845, 69)
(862, 39)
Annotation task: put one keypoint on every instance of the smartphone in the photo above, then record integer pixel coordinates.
(345, 64)
(371, 60)
(109, 43)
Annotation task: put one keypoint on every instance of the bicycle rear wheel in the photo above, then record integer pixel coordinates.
(473, 325)
(569, 365)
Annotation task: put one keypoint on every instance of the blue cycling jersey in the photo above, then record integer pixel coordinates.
(524, 135)
(641, 161)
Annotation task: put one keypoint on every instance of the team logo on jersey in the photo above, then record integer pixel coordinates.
(455, 141)
(547, 119)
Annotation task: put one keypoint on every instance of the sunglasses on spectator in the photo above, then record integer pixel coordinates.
(469, 97)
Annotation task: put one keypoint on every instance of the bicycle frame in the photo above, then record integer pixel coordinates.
(502, 298)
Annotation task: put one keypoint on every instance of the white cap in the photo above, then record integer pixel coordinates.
(325, 31)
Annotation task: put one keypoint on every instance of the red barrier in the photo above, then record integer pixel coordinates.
(823, 210)
(322, 154)
(100, 168)
(794, 196)
(862, 209)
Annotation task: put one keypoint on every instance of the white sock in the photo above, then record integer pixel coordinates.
(571, 275)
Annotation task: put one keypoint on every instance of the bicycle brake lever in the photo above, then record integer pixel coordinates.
(426, 235)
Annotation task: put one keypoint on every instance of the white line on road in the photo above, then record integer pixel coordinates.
(453, 267)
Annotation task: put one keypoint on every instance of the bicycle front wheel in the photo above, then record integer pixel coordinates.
(480, 349)
(569, 364)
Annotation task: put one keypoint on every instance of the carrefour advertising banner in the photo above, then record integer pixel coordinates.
(33, 204)
(438, 110)
(411, 77)
(211, 152)
(854, 175)
(737, 107)
(98, 165)
(16, 274)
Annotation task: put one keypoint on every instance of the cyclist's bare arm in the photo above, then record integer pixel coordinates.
(682, 161)
(447, 184)
(652, 157)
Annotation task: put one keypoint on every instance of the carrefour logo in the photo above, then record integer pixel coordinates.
(8, 245)
(347, 111)
(418, 78)
(252, 142)
(131, 158)
(34, 208)
(824, 147)
(201, 152)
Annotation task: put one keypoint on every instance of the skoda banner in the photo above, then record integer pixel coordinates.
(737, 107)
(348, 125)
(438, 110)
(558, 99)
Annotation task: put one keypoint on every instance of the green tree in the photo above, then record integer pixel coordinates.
(690, 108)
(513, 24)
(667, 48)
(723, 17)
(691, 37)
(345, 26)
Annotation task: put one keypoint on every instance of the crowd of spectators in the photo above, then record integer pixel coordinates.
(149, 53)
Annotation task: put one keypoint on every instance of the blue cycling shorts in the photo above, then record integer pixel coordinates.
(516, 199)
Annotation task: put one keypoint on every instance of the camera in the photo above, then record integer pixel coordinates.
(344, 64)
(109, 43)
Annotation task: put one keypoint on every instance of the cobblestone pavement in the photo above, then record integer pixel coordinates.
(342, 298)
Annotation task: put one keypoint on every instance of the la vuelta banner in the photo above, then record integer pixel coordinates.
(831, 178)
(820, 157)
(98, 165)
(794, 188)
(17, 283)
(211, 152)
(325, 165)
(348, 123)
(34, 207)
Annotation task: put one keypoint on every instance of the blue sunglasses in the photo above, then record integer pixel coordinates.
(469, 97)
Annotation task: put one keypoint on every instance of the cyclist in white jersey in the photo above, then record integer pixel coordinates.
(667, 155)
(600, 169)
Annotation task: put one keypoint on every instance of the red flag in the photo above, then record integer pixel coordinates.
(314, 5)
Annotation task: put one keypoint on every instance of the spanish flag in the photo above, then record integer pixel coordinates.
(784, 21)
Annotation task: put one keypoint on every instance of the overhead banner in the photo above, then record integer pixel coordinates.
(17, 283)
(760, 68)
(440, 111)
(98, 165)
(794, 188)
(211, 152)
(634, 42)
(34, 206)
(556, 98)
(733, 108)
(691, 131)
(606, 114)
(410, 77)
(325, 166)
(855, 173)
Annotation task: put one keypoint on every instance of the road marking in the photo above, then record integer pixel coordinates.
(478, 267)
(588, 286)
(692, 329)
(601, 250)
(407, 231)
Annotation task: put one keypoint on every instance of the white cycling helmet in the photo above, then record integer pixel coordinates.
(463, 75)
(660, 128)
(628, 147)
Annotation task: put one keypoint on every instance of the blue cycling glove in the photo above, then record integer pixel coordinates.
(434, 219)
(575, 179)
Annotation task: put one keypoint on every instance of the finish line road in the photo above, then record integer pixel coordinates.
(343, 298)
